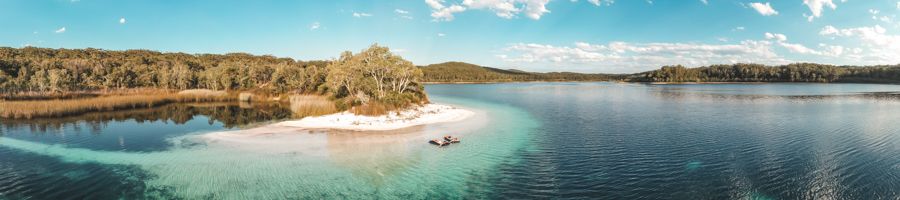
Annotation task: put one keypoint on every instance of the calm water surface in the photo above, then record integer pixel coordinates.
(529, 140)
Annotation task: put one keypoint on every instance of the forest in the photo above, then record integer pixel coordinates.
(373, 76)
(451, 72)
(798, 72)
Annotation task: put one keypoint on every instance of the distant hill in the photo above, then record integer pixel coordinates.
(466, 72)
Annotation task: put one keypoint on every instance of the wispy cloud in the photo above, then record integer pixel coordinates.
(403, 13)
(361, 14)
(601, 2)
(314, 26)
(122, 20)
(61, 30)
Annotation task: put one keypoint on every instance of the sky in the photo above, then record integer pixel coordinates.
(605, 36)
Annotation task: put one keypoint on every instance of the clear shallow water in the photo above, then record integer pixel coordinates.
(530, 140)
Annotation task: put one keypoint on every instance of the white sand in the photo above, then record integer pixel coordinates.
(420, 115)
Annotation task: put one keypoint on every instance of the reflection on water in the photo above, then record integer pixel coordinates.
(229, 114)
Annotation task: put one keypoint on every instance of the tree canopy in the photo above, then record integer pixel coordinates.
(375, 74)
(372, 74)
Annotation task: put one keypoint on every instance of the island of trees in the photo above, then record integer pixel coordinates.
(371, 81)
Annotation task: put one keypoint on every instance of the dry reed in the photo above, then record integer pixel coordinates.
(311, 105)
(67, 107)
(116, 100)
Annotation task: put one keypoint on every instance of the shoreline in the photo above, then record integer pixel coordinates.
(416, 116)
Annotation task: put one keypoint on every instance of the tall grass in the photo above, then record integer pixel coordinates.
(203, 95)
(311, 105)
(60, 108)
(117, 100)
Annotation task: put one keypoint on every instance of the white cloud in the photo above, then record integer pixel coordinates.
(601, 2)
(534, 9)
(815, 6)
(777, 36)
(507, 9)
(705, 2)
(763, 9)
(502, 8)
(781, 40)
(315, 25)
(881, 46)
(361, 14)
(628, 57)
(122, 20)
(898, 5)
(441, 34)
(61, 30)
(443, 13)
(739, 28)
(798, 48)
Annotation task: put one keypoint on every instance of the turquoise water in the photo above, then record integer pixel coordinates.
(293, 163)
(527, 141)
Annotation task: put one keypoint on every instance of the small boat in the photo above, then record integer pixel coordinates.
(439, 142)
(451, 139)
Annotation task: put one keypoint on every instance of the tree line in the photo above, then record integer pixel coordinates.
(465, 72)
(373, 74)
(798, 72)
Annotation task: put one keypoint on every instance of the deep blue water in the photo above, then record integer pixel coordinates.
(724, 141)
(589, 141)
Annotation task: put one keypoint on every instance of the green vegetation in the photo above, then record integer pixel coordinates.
(799, 72)
(57, 71)
(452, 72)
(374, 81)
(372, 78)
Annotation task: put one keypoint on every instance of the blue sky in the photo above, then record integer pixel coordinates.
(538, 35)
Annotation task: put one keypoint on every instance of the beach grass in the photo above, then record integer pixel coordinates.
(311, 105)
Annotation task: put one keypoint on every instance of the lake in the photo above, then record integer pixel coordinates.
(527, 141)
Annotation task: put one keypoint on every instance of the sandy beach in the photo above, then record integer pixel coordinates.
(420, 115)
